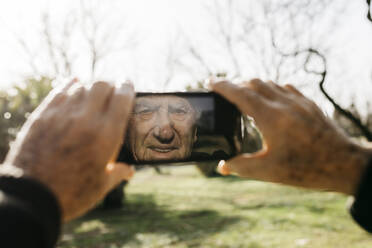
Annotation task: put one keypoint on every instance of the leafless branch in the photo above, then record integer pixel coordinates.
(364, 129)
(224, 17)
(170, 64)
(323, 73)
(195, 53)
(30, 55)
(64, 47)
(369, 17)
(50, 43)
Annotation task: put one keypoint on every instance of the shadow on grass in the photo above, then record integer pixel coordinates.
(312, 208)
(141, 215)
(281, 205)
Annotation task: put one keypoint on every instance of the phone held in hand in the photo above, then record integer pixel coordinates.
(182, 127)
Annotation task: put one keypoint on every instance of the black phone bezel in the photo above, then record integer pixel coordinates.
(226, 123)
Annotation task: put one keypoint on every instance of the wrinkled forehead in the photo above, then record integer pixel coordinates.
(162, 101)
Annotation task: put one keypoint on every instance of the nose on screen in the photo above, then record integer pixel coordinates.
(164, 134)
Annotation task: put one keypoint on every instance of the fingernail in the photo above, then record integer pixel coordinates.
(60, 83)
(126, 87)
(210, 82)
(132, 171)
(110, 166)
(223, 169)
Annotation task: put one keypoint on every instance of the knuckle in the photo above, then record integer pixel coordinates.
(274, 85)
(101, 84)
(78, 91)
(59, 95)
(256, 85)
(74, 88)
(256, 82)
(221, 81)
(246, 92)
(306, 105)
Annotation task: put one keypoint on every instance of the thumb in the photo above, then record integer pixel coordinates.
(245, 165)
(116, 173)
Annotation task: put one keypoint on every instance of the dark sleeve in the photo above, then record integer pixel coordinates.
(361, 209)
(29, 214)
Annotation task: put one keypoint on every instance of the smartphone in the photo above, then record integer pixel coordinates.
(182, 127)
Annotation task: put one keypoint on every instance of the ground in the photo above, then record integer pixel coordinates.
(184, 209)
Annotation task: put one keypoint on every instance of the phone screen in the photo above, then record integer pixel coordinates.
(180, 127)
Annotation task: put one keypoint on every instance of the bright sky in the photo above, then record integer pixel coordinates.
(155, 24)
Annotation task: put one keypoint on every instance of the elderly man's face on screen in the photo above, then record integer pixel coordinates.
(162, 128)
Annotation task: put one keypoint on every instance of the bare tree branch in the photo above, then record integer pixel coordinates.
(50, 43)
(100, 34)
(364, 129)
(196, 54)
(227, 35)
(369, 17)
(64, 47)
(30, 55)
(323, 73)
(224, 18)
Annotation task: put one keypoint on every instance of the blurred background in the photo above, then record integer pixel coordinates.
(166, 45)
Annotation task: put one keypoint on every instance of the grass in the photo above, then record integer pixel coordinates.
(184, 209)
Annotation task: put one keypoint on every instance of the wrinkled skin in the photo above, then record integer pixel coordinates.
(69, 140)
(301, 146)
(162, 128)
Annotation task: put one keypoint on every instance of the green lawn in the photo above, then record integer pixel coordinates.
(184, 209)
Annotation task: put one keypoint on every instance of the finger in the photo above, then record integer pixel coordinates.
(58, 94)
(246, 100)
(310, 103)
(66, 86)
(263, 89)
(54, 98)
(121, 104)
(99, 95)
(118, 113)
(277, 87)
(223, 169)
(239, 96)
(252, 166)
(76, 93)
(116, 173)
(293, 90)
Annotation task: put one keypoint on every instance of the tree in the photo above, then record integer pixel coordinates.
(16, 104)
(278, 40)
(78, 45)
(349, 118)
(264, 39)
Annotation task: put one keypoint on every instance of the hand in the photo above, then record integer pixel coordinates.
(301, 146)
(69, 140)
